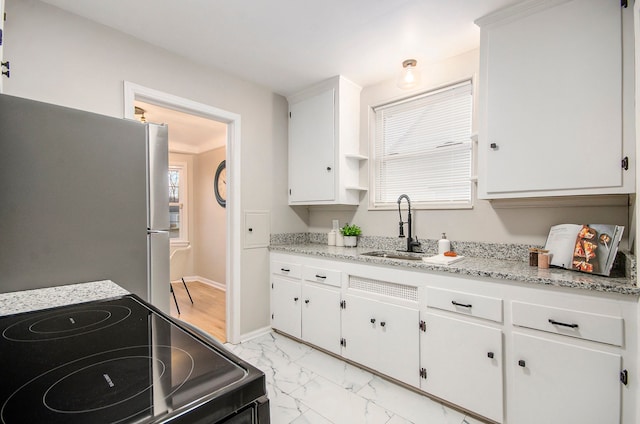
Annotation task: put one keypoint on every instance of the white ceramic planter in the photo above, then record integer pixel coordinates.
(350, 241)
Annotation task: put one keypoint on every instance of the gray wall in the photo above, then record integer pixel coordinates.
(210, 226)
(482, 223)
(61, 58)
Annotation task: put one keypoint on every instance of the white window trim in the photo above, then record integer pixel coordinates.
(372, 206)
(183, 240)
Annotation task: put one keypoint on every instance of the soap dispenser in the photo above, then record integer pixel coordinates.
(444, 245)
(333, 234)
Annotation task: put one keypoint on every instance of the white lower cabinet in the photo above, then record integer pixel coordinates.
(321, 317)
(304, 309)
(285, 306)
(381, 336)
(558, 383)
(462, 363)
(512, 354)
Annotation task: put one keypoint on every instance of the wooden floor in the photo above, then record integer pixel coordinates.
(208, 310)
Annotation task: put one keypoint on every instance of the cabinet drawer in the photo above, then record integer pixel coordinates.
(583, 325)
(286, 268)
(322, 275)
(465, 303)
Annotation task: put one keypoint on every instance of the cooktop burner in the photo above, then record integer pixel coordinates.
(113, 361)
(62, 324)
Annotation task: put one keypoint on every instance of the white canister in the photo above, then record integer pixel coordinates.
(444, 245)
(339, 240)
(331, 238)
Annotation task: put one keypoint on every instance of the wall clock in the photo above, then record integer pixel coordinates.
(220, 184)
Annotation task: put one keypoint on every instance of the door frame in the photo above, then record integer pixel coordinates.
(133, 92)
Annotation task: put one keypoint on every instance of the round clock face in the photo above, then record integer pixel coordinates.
(220, 184)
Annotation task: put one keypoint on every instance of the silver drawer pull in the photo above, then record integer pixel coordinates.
(554, 322)
(464, 305)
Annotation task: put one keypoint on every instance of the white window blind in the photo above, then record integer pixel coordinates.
(423, 148)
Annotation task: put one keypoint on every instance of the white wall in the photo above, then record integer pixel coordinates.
(483, 222)
(61, 58)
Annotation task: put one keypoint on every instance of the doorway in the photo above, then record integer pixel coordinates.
(148, 100)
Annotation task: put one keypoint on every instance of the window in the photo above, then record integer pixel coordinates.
(178, 230)
(422, 148)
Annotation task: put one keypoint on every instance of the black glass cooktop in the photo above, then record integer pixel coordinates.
(115, 361)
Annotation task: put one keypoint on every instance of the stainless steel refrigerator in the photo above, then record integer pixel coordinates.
(84, 197)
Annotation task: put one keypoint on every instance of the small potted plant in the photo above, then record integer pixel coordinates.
(350, 233)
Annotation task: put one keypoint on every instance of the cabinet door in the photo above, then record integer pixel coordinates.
(285, 306)
(463, 362)
(321, 317)
(1, 44)
(398, 342)
(382, 336)
(554, 100)
(359, 330)
(559, 383)
(312, 148)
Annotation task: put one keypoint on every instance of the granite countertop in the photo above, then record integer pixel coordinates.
(31, 300)
(474, 267)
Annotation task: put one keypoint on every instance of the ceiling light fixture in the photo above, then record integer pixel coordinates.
(140, 111)
(410, 75)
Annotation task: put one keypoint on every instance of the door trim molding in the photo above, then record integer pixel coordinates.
(133, 92)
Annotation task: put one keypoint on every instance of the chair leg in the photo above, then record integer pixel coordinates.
(187, 289)
(174, 298)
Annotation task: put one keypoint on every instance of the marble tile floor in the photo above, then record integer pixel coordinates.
(307, 386)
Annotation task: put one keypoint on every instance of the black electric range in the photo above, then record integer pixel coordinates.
(121, 361)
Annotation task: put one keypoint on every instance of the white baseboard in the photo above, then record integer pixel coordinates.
(255, 333)
(211, 283)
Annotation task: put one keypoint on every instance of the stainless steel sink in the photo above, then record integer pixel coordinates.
(394, 255)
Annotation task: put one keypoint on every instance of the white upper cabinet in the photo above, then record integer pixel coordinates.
(554, 118)
(324, 125)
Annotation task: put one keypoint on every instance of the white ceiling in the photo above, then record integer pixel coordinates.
(187, 133)
(289, 44)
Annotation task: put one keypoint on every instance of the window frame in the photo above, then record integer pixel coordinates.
(183, 238)
(373, 205)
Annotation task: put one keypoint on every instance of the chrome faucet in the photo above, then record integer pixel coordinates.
(411, 243)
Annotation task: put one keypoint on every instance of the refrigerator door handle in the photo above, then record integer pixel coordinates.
(158, 177)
